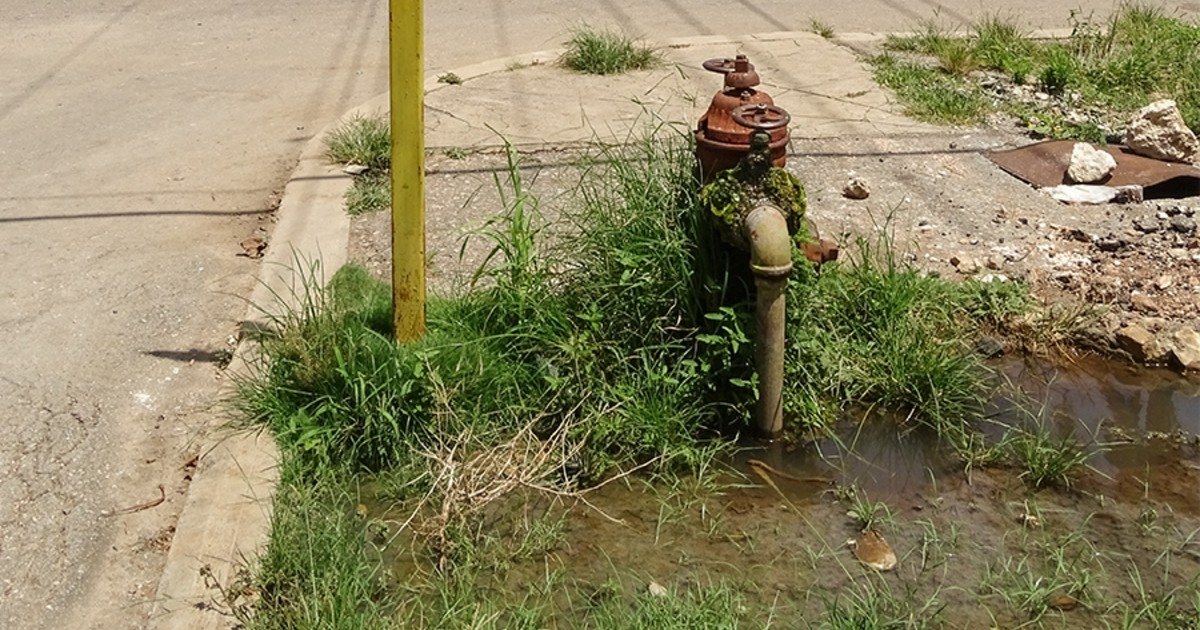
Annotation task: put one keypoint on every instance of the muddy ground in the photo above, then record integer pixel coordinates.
(1118, 547)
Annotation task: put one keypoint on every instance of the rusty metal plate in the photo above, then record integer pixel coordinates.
(1045, 164)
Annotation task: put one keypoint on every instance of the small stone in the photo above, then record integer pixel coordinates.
(965, 266)
(1130, 194)
(856, 188)
(1140, 344)
(1183, 225)
(1111, 244)
(253, 247)
(1164, 282)
(1063, 603)
(995, 262)
(1148, 225)
(355, 169)
(1185, 348)
(1158, 131)
(657, 590)
(989, 278)
(1090, 165)
(1144, 303)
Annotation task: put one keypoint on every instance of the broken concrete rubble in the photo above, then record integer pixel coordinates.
(1092, 194)
(1158, 131)
(1090, 165)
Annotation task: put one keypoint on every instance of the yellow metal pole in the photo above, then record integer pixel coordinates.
(408, 168)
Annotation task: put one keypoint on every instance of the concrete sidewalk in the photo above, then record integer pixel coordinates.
(529, 101)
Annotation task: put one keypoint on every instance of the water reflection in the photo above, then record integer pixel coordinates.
(1140, 417)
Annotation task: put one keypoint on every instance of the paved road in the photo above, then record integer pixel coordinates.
(140, 141)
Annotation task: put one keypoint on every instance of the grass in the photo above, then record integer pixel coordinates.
(614, 339)
(364, 140)
(630, 331)
(820, 28)
(1105, 70)
(876, 331)
(928, 94)
(603, 52)
(317, 559)
(1044, 458)
(369, 193)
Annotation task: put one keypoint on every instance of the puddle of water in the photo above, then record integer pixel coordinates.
(1142, 424)
(960, 542)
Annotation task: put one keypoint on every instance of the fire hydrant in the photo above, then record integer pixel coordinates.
(757, 206)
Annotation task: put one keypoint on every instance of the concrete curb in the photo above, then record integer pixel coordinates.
(226, 517)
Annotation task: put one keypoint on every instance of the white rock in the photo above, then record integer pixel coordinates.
(1090, 165)
(1158, 131)
(1081, 193)
(856, 188)
(658, 590)
(355, 169)
(1092, 194)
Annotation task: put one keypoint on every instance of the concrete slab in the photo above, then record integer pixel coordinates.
(531, 100)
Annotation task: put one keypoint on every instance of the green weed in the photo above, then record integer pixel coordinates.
(593, 51)
(820, 28)
(928, 94)
(369, 193)
(364, 140)
(1044, 458)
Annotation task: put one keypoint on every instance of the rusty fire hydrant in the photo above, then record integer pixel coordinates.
(756, 205)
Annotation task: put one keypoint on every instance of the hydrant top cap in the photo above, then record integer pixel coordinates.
(739, 72)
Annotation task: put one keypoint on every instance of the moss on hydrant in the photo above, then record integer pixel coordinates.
(729, 197)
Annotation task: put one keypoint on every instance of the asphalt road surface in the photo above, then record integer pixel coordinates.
(140, 142)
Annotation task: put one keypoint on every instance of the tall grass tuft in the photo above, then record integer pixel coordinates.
(316, 573)
(364, 140)
(873, 330)
(602, 52)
